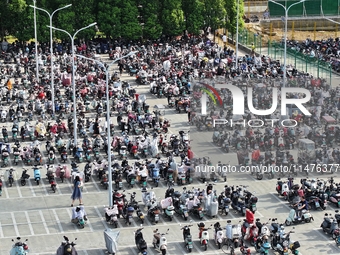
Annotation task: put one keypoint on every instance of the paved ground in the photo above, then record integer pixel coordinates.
(34, 212)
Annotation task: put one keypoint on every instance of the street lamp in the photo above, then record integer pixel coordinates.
(237, 14)
(51, 46)
(73, 77)
(36, 42)
(285, 35)
(106, 68)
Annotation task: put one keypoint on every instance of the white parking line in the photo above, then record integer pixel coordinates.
(1, 233)
(31, 187)
(180, 248)
(101, 217)
(29, 223)
(44, 222)
(18, 188)
(95, 184)
(15, 225)
(6, 192)
(58, 221)
(43, 186)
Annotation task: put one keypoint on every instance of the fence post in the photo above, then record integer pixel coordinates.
(306, 64)
(295, 60)
(330, 75)
(318, 68)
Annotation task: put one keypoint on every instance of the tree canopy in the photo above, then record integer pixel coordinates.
(128, 19)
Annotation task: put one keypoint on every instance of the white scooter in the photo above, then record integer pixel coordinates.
(159, 241)
(204, 237)
(219, 236)
(234, 233)
(147, 197)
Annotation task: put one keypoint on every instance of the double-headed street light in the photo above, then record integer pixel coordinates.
(50, 15)
(106, 68)
(285, 35)
(73, 77)
(237, 20)
(36, 42)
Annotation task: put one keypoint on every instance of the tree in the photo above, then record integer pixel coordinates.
(231, 20)
(215, 13)
(172, 17)
(194, 15)
(79, 15)
(130, 27)
(109, 18)
(11, 10)
(149, 17)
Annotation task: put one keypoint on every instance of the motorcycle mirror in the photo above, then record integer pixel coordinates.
(76, 239)
(141, 225)
(168, 230)
(336, 211)
(12, 240)
(228, 221)
(124, 190)
(18, 238)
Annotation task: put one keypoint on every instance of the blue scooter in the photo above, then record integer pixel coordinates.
(154, 174)
(37, 175)
(19, 248)
(79, 155)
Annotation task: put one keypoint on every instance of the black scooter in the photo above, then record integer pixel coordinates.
(140, 242)
(24, 177)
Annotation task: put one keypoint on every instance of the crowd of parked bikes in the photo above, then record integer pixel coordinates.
(34, 133)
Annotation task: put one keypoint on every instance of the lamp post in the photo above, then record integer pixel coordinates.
(36, 42)
(236, 48)
(73, 77)
(50, 15)
(285, 35)
(108, 114)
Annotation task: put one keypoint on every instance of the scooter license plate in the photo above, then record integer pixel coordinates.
(142, 216)
(132, 182)
(156, 218)
(317, 204)
(254, 207)
(190, 246)
(200, 214)
(186, 214)
(227, 209)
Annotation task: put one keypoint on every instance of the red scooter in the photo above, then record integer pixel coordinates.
(250, 231)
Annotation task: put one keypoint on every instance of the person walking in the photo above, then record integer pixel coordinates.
(76, 191)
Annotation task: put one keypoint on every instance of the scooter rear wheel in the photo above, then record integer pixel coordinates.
(288, 223)
(205, 247)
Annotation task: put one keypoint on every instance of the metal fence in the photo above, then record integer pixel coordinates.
(301, 62)
(308, 8)
(247, 38)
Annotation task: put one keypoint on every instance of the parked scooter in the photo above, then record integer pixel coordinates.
(203, 235)
(19, 248)
(140, 242)
(219, 237)
(234, 234)
(67, 247)
(24, 177)
(111, 215)
(10, 177)
(187, 237)
(159, 241)
(37, 175)
(329, 225)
